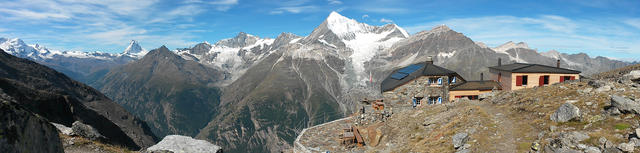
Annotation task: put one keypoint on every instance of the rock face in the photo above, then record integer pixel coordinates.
(565, 113)
(625, 105)
(60, 99)
(178, 143)
(83, 130)
(22, 131)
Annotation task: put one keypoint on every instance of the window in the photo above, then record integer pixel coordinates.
(434, 100)
(522, 80)
(544, 80)
(453, 80)
(433, 80)
(439, 81)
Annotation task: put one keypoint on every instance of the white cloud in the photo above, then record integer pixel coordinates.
(365, 16)
(334, 2)
(383, 20)
(384, 10)
(294, 9)
(27, 14)
(633, 22)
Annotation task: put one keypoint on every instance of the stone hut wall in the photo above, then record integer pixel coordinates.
(402, 96)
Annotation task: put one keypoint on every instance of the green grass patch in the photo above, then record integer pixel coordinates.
(622, 126)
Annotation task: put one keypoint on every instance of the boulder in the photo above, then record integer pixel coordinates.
(604, 88)
(565, 113)
(179, 143)
(62, 129)
(626, 147)
(80, 129)
(625, 105)
(572, 139)
(635, 142)
(633, 75)
(460, 139)
(592, 150)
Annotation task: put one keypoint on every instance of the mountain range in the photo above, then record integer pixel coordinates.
(252, 94)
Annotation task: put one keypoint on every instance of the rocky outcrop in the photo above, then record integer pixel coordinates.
(625, 105)
(83, 130)
(59, 99)
(22, 131)
(178, 143)
(459, 140)
(62, 129)
(565, 113)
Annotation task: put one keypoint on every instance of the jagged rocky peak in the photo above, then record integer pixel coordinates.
(510, 45)
(133, 48)
(436, 30)
(285, 38)
(481, 44)
(241, 40)
(201, 48)
(551, 53)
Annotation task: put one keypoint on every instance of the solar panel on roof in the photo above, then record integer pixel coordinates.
(398, 76)
(410, 69)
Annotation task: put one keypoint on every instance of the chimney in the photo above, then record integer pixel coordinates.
(558, 64)
(430, 60)
(481, 77)
(499, 62)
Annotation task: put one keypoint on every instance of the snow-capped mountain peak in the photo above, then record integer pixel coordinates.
(510, 45)
(133, 48)
(343, 26)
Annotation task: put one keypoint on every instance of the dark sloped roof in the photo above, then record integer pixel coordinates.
(428, 69)
(533, 68)
(477, 85)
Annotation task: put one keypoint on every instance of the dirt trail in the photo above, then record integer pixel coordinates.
(505, 137)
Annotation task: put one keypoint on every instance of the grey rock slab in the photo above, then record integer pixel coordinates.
(179, 143)
(626, 147)
(63, 129)
(565, 113)
(459, 140)
(625, 105)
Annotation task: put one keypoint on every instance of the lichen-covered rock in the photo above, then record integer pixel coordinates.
(83, 130)
(592, 150)
(626, 147)
(460, 139)
(565, 113)
(179, 143)
(22, 131)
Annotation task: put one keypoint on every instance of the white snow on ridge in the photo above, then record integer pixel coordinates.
(446, 55)
(326, 43)
(365, 40)
(17, 47)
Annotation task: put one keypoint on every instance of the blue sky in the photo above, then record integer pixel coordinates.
(608, 28)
